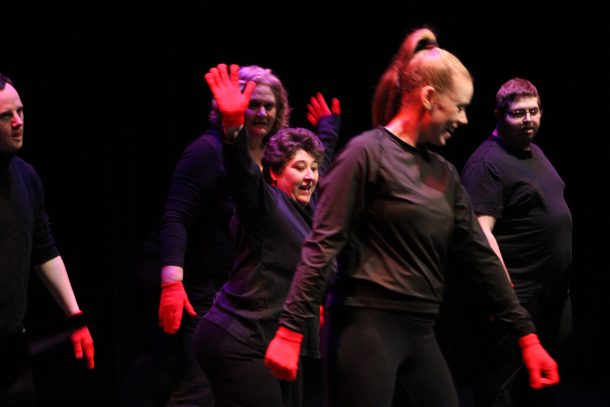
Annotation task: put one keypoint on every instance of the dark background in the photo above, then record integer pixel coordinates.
(111, 99)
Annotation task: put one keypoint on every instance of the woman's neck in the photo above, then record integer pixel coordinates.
(403, 127)
(256, 147)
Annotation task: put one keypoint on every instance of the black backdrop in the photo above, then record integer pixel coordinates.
(111, 100)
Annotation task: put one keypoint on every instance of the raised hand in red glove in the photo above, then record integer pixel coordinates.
(83, 343)
(282, 356)
(542, 368)
(317, 109)
(232, 103)
(173, 301)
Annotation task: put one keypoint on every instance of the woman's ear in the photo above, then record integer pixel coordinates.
(274, 176)
(426, 95)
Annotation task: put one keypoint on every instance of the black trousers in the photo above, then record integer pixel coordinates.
(500, 378)
(16, 383)
(190, 386)
(237, 372)
(369, 355)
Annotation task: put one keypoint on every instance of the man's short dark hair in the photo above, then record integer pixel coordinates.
(4, 80)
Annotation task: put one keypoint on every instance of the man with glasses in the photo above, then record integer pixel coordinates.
(519, 201)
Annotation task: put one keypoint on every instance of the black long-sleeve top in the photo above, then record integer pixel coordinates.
(195, 231)
(402, 209)
(25, 237)
(271, 230)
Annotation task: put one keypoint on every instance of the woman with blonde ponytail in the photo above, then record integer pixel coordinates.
(402, 210)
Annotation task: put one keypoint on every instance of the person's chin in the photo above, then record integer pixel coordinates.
(442, 140)
(12, 147)
(258, 131)
(304, 200)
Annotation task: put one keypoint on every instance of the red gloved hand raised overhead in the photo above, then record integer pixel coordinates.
(173, 301)
(542, 368)
(83, 343)
(232, 103)
(317, 109)
(282, 356)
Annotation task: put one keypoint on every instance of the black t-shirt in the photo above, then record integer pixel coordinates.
(533, 228)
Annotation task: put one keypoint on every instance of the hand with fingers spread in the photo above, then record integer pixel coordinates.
(232, 103)
(318, 109)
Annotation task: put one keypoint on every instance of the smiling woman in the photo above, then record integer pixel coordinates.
(195, 238)
(291, 162)
(402, 209)
(273, 218)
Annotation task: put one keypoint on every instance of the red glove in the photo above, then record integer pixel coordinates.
(321, 316)
(224, 85)
(173, 301)
(317, 109)
(282, 356)
(83, 343)
(541, 367)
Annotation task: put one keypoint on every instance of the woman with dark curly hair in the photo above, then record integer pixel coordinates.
(273, 218)
(195, 243)
(196, 246)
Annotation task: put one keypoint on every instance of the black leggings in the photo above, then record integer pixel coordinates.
(369, 354)
(16, 383)
(237, 372)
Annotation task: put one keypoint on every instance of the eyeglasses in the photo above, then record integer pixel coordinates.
(521, 113)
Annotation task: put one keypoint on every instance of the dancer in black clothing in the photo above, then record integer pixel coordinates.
(196, 246)
(197, 249)
(519, 201)
(402, 209)
(273, 213)
(25, 240)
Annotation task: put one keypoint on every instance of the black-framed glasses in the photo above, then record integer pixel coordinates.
(521, 113)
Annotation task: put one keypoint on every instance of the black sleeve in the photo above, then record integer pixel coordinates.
(245, 177)
(328, 132)
(484, 188)
(470, 245)
(194, 183)
(43, 244)
(342, 199)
